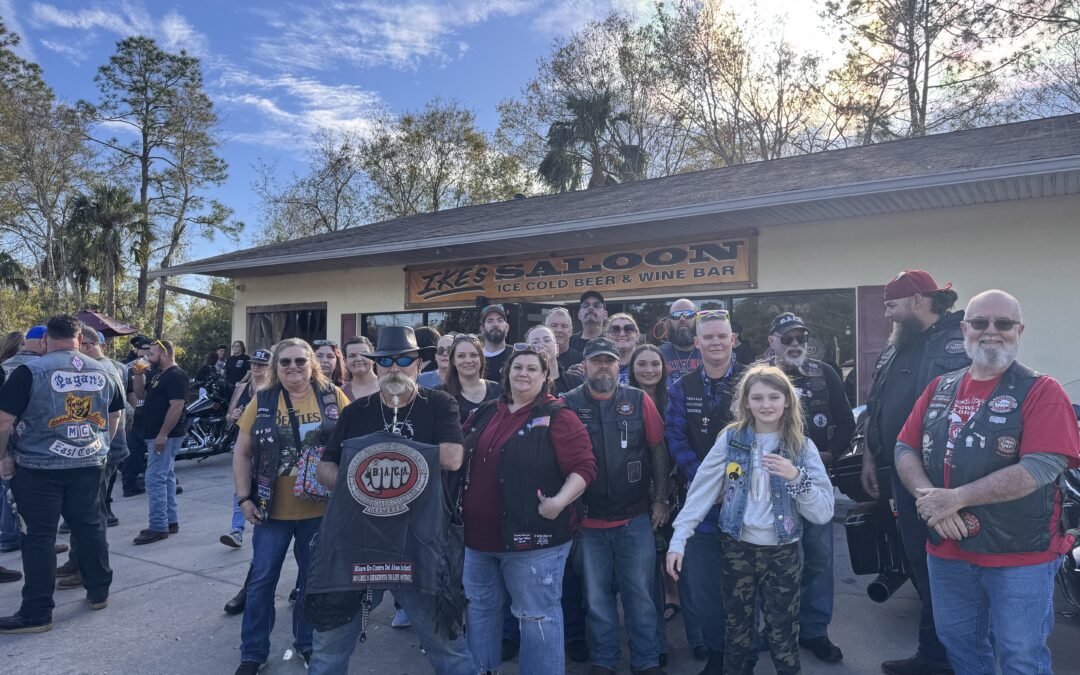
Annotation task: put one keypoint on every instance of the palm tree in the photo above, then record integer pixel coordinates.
(99, 225)
(589, 138)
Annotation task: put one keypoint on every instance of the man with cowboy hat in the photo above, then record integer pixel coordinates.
(413, 428)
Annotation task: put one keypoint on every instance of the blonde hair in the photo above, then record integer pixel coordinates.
(317, 378)
(792, 438)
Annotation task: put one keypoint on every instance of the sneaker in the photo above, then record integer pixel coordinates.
(67, 569)
(149, 537)
(98, 604)
(174, 528)
(7, 576)
(823, 649)
(16, 623)
(65, 528)
(577, 650)
(401, 619)
(70, 582)
(916, 665)
(249, 668)
(306, 655)
(234, 539)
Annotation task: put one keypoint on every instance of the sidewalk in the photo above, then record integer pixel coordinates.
(165, 612)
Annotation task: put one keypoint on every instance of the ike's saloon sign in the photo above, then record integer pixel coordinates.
(698, 265)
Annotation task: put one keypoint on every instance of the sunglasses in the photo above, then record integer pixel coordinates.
(1001, 325)
(299, 362)
(801, 338)
(324, 343)
(442, 351)
(682, 314)
(472, 337)
(627, 329)
(713, 314)
(525, 347)
(159, 343)
(592, 305)
(401, 361)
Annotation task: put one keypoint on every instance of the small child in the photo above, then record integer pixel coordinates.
(768, 474)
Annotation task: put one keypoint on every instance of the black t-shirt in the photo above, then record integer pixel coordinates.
(571, 357)
(236, 367)
(577, 342)
(565, 382)
(744, 353)
(15, 393)
(431, 417)
(167, 385)
(465, 406)
(493, 365)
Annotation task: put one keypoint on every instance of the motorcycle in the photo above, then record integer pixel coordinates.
(207, 432)
(1068, 575)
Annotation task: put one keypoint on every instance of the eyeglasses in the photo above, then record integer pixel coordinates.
(592, 305)
(682, 314)
(324, 343)
(801, 338)
(299, 362)
(442, 351)
(713, 314)
(1001, 325)
(525, 347)
(401, 361)
(626, 329)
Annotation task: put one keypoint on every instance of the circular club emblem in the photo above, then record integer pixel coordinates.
(820, 420)
(1003, 404)
(332, 412)
(385, 477)
(971, 522)
(954, 347)
(1006, 446)
(625, 408)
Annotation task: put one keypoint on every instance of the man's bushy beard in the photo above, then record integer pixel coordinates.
(991, 359)
(396, 384)
(495, 336)
(786, 361)
(905, 333)
(602, 383)
(681, 336)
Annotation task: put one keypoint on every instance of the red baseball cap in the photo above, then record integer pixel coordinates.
(912, 282)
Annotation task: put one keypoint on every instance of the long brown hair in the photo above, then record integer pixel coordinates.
(10, 344)
(507, 396)
(792, 439)
(318, 380)
(661, 396)
(452, 383)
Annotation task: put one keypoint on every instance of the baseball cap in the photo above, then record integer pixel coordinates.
(260, 356)
(140, 342)
(912, 282)
(499, 309)
(784, 322)
(592, 294)
(36, 333)
(600, 346)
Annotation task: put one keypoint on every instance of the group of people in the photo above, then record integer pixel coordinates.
(582, 470)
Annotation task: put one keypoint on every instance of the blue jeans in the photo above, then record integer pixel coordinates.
(9, 529)
(448, 657)
(1017, 601)
(270, 543)
(161, 484)
(533, 580)
(700, 592)
(625, 555)
(816, 606)
(237, 516)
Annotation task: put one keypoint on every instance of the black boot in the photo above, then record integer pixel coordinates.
(236, 605)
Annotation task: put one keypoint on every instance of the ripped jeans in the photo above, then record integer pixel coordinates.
(533, 579)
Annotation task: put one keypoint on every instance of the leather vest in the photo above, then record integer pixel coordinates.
(268, 441)
(706, 417)
(66, 421)
(943, 352)
(988, 442)
(527, 463)
(621, 488)
(814, 397)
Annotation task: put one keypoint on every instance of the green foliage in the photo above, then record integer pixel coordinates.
(205, 325)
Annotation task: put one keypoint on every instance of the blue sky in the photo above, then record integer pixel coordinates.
(279, 71)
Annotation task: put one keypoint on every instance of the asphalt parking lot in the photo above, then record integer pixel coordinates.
(165, 611)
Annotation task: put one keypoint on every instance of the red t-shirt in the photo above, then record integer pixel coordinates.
(654, 434)
(1049, 425)
(481, 505)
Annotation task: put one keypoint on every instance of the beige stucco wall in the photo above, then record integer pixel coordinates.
(1030, 248)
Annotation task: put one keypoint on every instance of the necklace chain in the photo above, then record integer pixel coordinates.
(395, 428)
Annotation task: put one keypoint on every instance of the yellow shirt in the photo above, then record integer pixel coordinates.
(285, 505)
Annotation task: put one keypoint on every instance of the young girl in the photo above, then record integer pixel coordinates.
(769, 474)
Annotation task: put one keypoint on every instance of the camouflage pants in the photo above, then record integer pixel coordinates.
(774, 573)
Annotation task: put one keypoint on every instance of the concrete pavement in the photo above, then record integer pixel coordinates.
(165, 612)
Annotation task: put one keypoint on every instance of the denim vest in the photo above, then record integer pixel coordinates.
(787, 522)
(21, 357)
(66, 421)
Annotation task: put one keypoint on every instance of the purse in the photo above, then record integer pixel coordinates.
(306, 487)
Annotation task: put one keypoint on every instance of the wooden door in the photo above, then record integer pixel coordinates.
(873, 334)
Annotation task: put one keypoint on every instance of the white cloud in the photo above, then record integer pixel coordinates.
(173, 31)
(562, 17)
(24, 49)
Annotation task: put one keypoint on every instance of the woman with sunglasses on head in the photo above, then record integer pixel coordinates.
(257, 378)
(293, 417)
(330, 361)
(464, 372)
(527, 459)
(542, 339)
(623, 331)
(360, 378)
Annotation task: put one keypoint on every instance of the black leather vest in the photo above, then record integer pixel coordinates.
(706, 418)
(988, 442)
(527, 463)
(814, 398)
(621, 488)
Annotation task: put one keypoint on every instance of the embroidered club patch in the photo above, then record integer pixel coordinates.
(971, 522)
(625, 408)
(78, 409)
(733, 471)
(76, 451)
(820, 420)
(386, 477)
(584, 414)
(1003, 404)
(954, 347)
(789, 524)
(997, 419)
(77, 363)
(1007, 446)
(393, 572)
(63, 381)
(332, 412)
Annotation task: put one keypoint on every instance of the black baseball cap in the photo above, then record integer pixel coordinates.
(785, 322)
(140, 342)
(260, 356)
(600, 346)
(592, 294)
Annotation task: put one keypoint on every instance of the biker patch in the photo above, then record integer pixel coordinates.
(954, 347)
(633, 471)
(331, 412)
(63, 381)
(1003, 404)
(78, 409)
(76, 451)
(820, 420)
(1007, 446)
(396, 572)
(971, 523)
(625, 408)
(385, 477)
(77, 363)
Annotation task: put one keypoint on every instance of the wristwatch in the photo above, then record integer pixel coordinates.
(240, 501)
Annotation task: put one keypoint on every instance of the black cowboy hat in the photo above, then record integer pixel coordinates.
(394, 340)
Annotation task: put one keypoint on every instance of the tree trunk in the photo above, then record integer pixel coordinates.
(159, 311)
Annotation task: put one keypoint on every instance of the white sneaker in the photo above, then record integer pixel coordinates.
(401, 619)
(234, 539)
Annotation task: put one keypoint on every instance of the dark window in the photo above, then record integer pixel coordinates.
(455, 320)
(269, 325)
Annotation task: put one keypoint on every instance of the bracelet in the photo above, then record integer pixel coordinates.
(800, 485)
(240, 501)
